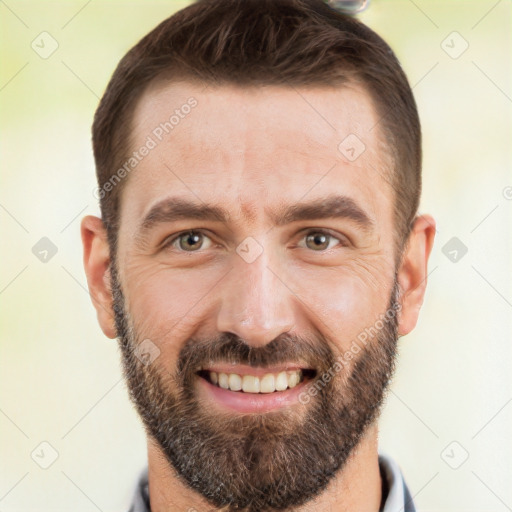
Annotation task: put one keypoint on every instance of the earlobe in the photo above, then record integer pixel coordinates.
(412, 274)
(96, 257)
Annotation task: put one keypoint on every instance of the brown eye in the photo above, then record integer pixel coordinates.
(320, 241)
(191, 241)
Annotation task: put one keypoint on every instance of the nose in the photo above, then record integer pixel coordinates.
(255, 303)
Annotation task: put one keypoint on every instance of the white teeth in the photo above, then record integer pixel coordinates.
(235, 382)
(251, 384)
(293, 379)
(269, 383)
(281, 381)
(223, 381)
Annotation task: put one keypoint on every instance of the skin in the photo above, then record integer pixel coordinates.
(253, 151)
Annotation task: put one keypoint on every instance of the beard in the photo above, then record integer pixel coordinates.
(268, 461)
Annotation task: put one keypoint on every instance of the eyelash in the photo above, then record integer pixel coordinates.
(343, 242)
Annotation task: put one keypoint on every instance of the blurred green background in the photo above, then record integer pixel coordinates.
(448, 417)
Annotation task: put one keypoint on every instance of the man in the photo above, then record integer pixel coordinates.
(259, 253)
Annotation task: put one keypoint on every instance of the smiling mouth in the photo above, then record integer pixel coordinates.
(272, 382)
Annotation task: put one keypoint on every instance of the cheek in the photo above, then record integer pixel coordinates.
(345, 302)
(166, 305)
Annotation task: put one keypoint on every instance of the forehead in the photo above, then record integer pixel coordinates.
(254, 147)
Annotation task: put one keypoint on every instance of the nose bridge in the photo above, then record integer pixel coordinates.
(255, 304)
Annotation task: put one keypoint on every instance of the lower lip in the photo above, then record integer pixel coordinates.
(239, 401)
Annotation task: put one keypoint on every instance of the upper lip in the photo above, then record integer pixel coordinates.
(257, 371)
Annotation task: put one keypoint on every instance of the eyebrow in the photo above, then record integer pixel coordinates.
(331, 207)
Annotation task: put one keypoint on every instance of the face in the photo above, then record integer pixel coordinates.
(254, 254)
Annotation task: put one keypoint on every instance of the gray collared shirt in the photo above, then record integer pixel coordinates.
(397, 499)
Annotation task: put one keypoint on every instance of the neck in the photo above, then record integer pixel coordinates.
(356, 487)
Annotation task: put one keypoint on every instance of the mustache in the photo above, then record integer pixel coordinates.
(309, 352)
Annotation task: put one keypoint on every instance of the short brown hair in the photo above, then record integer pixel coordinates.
(256, 42)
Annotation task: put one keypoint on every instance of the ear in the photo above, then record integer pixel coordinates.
(412, 274)
(97, 269)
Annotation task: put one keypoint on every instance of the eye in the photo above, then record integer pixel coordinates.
(189, 241)
(320, 240)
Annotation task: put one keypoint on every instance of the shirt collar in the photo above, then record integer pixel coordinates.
(398, 498)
